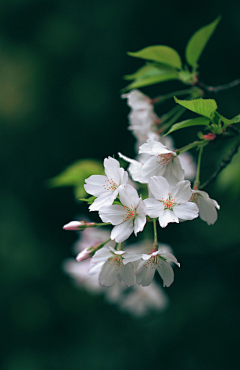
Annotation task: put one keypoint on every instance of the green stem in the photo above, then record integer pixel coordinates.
(155, 243)
(179, 111)
(119, 247)
(101, 224)
(191, 146)
(197, 180)
(162, 98)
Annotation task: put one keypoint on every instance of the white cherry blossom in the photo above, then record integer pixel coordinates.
(110, 264)
(106, 188)
(170, 203)
(128, 217)
(162, 162)
(148, 263)
(207, 206)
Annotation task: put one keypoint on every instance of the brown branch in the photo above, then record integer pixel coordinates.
(222, 165)
(216, 89)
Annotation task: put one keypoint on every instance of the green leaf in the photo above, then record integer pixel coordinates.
(198, 41)
(151, 80)
(204, 107)
(236, 119)
(226, 121)
(159, 53)
(75, 176)
(200, 121)
(89, 200)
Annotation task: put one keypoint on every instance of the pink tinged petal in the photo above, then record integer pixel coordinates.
(129, 196)
(113, 214)
(109, 273)
(145, 274)
(122, 232)
(127, 274)
(186, 211)
(166, 272)
(95, 185)
(84, 255)
(139, 223)
(159, 187)
(154, 207)
(207, 210)
(105, 199)
(167, 216)
(182, 192)
(152, 168)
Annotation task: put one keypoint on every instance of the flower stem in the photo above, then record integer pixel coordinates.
(119, 247)
(155, 243)
(191, 146)
(197, 180)
(162, 98)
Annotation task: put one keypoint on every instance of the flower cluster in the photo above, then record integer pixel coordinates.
(170, 199)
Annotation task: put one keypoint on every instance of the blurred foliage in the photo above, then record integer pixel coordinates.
(61, 68)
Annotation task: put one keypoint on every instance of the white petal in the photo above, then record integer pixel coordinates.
(152, 168)
(186, 211)
(95, 185)
(159, 187)
(139, 223)
(131, 258)
(105, 199)
(112, 169)
(122, 232)
(129, 196)
(145, 274)
(166, 217)
(154, 207)
(207, 210)
(127, 274)
(166, 272)
(182, 191)
(108, 274)
(169, 257)
(113, 214)
(177, 169)
(154, 148)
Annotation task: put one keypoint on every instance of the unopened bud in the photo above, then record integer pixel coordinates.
(78, 225)
(209, 137)
(86, 253)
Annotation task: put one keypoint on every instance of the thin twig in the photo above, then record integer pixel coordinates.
(222, 165)
(216, 89)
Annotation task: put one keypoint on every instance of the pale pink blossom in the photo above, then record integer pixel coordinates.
(207, 206)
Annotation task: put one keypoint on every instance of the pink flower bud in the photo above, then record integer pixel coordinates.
(86, 253)
(74, 225)
(209, 137)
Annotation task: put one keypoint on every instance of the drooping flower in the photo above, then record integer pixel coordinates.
(106, 188)
(148, 263)
(128, 217)
(207, 206)
(110, 264)
(142, 118)
(162, 162)
(170, 203)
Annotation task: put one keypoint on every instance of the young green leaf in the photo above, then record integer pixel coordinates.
(159, 53)
(204, 107)
(89, 200)
(236, 119)
(151, 80)
(200, 121)
(198, 41)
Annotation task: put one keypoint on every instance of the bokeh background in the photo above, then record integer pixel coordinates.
(61, 68)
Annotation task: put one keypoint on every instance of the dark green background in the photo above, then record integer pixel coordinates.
(61, 68)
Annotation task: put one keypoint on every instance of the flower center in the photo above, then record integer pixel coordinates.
(110, 185)
(128, 213)
(169, 202)
(153, 262)
(164, 159)
(194, 198)
(115, 261)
